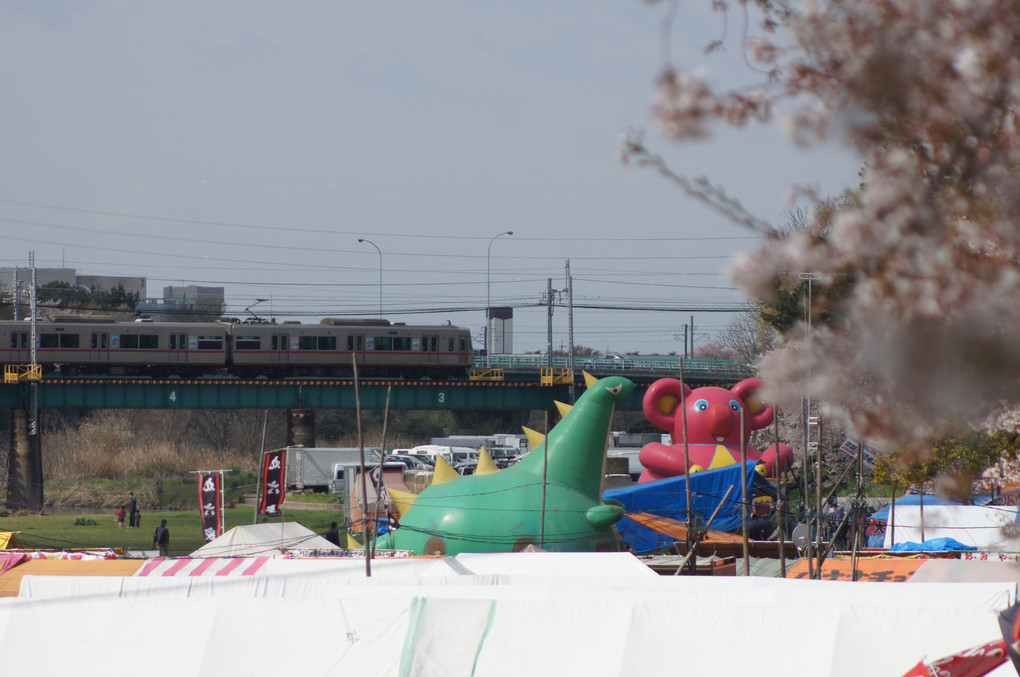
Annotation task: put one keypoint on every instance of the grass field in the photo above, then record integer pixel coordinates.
(99, 530)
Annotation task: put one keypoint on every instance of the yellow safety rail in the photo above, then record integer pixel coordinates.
(549, 376)
(487, 374)
(16, 373)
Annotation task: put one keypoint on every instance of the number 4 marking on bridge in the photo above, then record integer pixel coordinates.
(173, 395)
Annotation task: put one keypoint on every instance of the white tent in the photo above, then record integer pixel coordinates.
(982, 527)
(586, 614)
(254, 540)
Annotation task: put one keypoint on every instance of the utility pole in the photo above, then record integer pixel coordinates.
(570, 329)
(549, 303)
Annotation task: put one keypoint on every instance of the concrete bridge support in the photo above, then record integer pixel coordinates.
(301, 428)
(24, 465)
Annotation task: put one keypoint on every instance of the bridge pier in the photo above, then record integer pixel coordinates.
(301, 428)
(24, 465)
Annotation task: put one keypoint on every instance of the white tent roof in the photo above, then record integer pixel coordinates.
(974, 525)
(254, 540)
(438, 617)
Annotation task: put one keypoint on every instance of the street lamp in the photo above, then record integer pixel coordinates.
(488, 292)
(361, 239)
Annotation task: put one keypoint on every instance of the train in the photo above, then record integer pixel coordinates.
(82, 346)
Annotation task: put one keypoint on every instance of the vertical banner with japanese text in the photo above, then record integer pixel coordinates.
(273, 464)
(210, 492)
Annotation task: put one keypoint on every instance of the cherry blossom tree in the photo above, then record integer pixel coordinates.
(928, 94)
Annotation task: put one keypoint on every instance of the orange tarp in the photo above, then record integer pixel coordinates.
(678, 530)
(10, 582)
(873, 570)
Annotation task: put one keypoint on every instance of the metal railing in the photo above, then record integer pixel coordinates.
(656, 365)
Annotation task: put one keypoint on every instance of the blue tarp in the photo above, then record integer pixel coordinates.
(668, 498)
(931, 545)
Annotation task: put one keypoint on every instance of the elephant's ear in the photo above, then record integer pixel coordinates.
(662, 400)
(760, 412)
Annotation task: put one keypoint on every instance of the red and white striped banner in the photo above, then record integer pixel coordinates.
(202, 566)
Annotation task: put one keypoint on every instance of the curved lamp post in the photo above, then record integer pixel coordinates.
(488, 286)
(361, 239)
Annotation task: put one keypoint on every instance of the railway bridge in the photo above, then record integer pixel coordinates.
(503, 383)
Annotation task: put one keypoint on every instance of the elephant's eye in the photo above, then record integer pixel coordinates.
(734, 405)
(701, 405)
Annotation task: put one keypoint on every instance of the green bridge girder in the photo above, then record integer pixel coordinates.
(208, 393)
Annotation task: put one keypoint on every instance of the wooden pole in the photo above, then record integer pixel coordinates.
(691, 541)
(857, 508)
(364, 480)
(818, 499)
(743, 494)
(381, 484)
(804, 470)
(781, 476)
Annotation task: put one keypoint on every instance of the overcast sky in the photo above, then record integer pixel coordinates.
(250, 144)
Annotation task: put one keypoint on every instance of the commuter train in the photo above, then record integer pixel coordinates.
(85, 346)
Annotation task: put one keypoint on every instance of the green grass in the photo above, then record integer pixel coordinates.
(59, 531)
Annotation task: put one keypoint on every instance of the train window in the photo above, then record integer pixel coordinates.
(49, 340)
(463, 344)
(383, 343)
(128, 341)
(149, 341)
(327, 343)
(173, 341)
(402, 343)
(210, 343)
(249, 342)
(274, 342)
(449, 345)
(308, 343)
(182, 341)
(68, 340)
(15, 339)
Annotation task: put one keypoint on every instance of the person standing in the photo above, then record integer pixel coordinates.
(161, 539)
(120, 518)
(132, 509)
(333, 534)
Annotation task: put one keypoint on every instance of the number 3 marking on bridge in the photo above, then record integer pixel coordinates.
(173, 395)
(442, 397)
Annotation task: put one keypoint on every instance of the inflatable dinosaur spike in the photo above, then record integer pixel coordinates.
(563, 408)
(486, 466)
(502, 511)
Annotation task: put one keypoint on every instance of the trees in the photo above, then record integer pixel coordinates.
(928, 94)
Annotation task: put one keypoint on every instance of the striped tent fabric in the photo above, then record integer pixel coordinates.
(203, 566)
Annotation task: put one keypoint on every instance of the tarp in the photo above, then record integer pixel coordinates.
(556, 624)
(10, 581)
(943, 544)
(668, 498)
(202, 566)
(9, 541)
(270, 539)
(980, 527)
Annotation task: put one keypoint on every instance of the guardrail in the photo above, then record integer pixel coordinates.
(16, 373)
(664, 365)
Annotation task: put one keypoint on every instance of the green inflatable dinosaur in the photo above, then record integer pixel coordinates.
(501, 510)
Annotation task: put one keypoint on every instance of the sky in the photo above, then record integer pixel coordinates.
(250, 145)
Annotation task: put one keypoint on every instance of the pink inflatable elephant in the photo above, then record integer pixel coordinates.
(713, 427)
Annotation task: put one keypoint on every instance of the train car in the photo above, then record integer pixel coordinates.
(84, 346)
(79, 346)
(332, 347)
